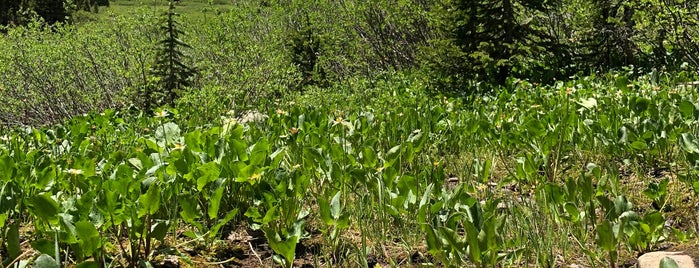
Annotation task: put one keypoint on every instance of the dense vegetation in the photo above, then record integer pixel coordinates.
(347, 133)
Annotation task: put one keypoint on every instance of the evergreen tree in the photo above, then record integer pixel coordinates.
(490, 40)
(51, 10)
(611, 43)
(8, 9)
(170, 72)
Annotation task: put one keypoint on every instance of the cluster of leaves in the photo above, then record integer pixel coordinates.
(365, 170)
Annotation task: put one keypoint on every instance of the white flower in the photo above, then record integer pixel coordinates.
(162, 113)
(73, 171)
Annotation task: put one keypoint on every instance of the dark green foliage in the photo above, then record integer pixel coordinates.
(87, 5)
(611, 46)
(51, 11)
(8, 11)
(306, 44)
(488, 41)
(171, 74)
(18, 12)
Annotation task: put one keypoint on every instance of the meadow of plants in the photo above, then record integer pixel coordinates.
(590, 172)
(328, 162)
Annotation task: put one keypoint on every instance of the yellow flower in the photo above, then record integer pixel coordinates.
(256, 176)
(281, 112)
(179, 146)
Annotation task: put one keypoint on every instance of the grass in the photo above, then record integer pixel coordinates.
(197, 10)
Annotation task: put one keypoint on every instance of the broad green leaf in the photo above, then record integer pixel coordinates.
(88, 237)
(689, 143)
(605, 236)
(150, 201)
(369, 156)
(668, 262)
(573, 211)
(43, 245)
(159, 230)
(325, 215)
(639, 145)
(641, 105)
(213, 232)
(285, 247)
(12, 243)
(687, 109)
(434, 244)
(392, 155)
(335, 206)
(45, 261)
(259, 152)
(207, 173)
(167, 134)
(193, 140)
(215, 202)
(190, 209)
(43, 206)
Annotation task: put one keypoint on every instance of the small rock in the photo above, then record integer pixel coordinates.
(171, 262)
(652, 259)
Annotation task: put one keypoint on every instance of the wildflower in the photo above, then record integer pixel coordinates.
(379, 169)
(161, 113)
(294, 131)
(281, 112)
(228, 120)
(74, 171)
(179, 146)
(435, 163)
(569, 91)
(256, 176)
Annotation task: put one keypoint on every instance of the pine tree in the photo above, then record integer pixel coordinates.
(490, 40)
(8, 8)
(611, 43)
(51, 10)
(170, 71)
